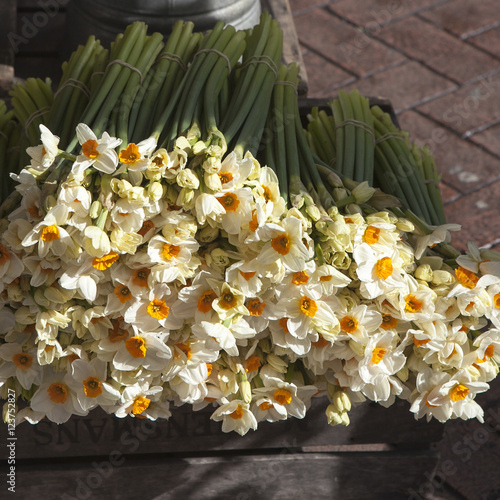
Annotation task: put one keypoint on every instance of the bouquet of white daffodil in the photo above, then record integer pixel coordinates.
(192, 244)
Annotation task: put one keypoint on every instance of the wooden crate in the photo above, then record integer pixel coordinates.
(383, 454)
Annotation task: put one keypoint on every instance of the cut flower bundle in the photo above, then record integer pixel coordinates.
(193, 244)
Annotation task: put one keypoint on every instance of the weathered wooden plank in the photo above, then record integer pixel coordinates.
(188, 431)
(321, 476)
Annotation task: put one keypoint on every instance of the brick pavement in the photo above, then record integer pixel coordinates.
(438, 61)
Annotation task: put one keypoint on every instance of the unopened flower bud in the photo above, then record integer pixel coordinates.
(362, 192)
(405, 225)
(352, 209)
(424, 272)
(228, 382)
(345, 419)
(277, 363)
(333, 212)
(441, 277)
(50, 202)
(333, 416)
(199, 148)
(218, 259)
(246, 391)
(208, 234)
(95, 209)
(313, 212)
(186, 196)
(188, 179)
(403, 374)
(433, 261)
(357, 348)
(212, 181)
(155, 191)
(212, 165)
(341, 260)
(341, 401)
(182, 143)
(40, 298)
(265, 345)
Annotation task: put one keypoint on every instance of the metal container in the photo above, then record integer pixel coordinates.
(106, 18)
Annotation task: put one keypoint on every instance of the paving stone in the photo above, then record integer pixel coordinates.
(343, 44)
(406, 85)
(489, 41)
(448, 193)
(469, 108)
(463, 165)
(323, 75)
(478, 215)
(489, 139)
(375, 13)
(463, 17)
(424, 42)
(301, 6)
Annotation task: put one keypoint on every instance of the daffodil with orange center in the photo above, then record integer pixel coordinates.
(50, 234)
(229, 303)
(146, 350)
(21, 364)
(97, 153)
(289, 246)
(235, 416)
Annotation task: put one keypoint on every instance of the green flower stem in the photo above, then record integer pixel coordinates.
(277, 124)
(126, 48)
(338, 117)
(328, 125)
(406, 169)
(348, 164)
(321, 137)
(164, 74)
(179, 100)
(66, 156)
(431, 175)
(184, 48)
(152, 47)
(252, 76)
(360, 141)
(251, 134)
(218, 75)
(386, 176)
(74, 69)
(402, 172)
(309, 165)
(78, 100)
(369, 163)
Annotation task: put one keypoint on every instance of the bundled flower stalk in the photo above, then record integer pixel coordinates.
(220, 259)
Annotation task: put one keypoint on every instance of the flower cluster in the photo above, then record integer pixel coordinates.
(152, 278)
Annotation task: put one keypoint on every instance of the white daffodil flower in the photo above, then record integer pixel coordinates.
(99, 154)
